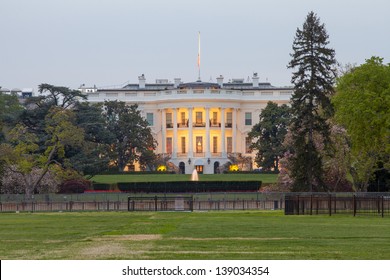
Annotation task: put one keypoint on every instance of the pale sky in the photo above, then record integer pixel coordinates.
(111, 42)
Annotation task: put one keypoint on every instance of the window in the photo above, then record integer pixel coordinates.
(248, 118)
(169, 145)
(248, 143)
(229, 119)
(199, 119)
(183, 118)
(215, 118)
(229, 142)
(215, 144)
(150, 119)
(199, 144)
(183, 145)
(169, 120)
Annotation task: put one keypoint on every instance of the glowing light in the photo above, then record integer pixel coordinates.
(233, 167)
(162, 168)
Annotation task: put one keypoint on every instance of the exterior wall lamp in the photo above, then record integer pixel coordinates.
(208, 161)
(189, 161)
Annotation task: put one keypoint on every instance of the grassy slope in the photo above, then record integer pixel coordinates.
(198, 235)
(265, 178)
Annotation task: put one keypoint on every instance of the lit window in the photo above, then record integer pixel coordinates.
(229, 142)
(183, 145)
(199, 144)
(248, 143)
(215, 144)
(169, 145)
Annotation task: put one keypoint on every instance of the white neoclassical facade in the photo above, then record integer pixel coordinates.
(199, 123)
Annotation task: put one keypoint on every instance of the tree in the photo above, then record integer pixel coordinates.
(269, 135)
(313, 78)
(362, 103)
(89, 158)
(23, 156)
(131, 134)
(10, 109)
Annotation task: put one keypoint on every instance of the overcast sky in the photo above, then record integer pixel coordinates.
(111, 42)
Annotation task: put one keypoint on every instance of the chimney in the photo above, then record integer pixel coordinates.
(220, 80)
(142, 81)
(255, 80)
(177, 82)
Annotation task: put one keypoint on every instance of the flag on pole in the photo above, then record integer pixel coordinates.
(198, 49)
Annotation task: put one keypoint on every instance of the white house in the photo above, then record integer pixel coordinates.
(198, 123)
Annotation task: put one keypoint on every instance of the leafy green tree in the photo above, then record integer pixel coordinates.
(269, 135)
(23, 156)
(313, 64)
(131, 135)
(89, 158)
(362, 105)
(10, 109)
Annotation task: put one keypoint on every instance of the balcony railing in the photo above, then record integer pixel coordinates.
(181, 155)
(217, 154)
(228, 125)
(199, 124)
(169, 125)
(199, 154)
(214, 123)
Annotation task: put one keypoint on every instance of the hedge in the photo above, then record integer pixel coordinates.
(190, 186)
(101, 187)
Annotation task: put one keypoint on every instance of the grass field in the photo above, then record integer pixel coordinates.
(197, 235)
(110, 179)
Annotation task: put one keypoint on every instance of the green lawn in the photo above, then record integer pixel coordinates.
(110, 179)
(197, 235)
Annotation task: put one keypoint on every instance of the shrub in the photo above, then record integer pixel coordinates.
(74, 186)
(190, 186)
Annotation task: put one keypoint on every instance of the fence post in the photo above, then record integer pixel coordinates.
(311, 204)
(298, 204)
(383, 204)
(354, 205)
(155, 203)
(330, 205)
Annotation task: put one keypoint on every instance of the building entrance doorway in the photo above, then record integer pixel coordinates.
(216, 167)
(199, 169)
(182, 168)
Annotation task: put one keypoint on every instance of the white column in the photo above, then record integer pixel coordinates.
(164, 131)
(174, 140)
(234, 130)
(190, 147)
(223, 146)
(207, 150)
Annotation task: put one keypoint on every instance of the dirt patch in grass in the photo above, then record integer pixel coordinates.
(233, 238)
(129, 237)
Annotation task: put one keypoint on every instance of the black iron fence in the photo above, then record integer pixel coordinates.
(143, 202)
(331, 204)
(292, 203)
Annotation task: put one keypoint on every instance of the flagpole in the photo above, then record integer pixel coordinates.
(199, 56)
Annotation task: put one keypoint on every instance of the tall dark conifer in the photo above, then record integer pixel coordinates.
(313, 78)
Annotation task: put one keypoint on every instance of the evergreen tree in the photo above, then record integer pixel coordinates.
(313, 78)
(269, 135)
(131, 134)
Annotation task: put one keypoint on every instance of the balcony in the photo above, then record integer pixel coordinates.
(181, 155)
(199, 154)
(183, 123)
(199, 124)
(228, 125)
(216, 154)
(214, 123)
